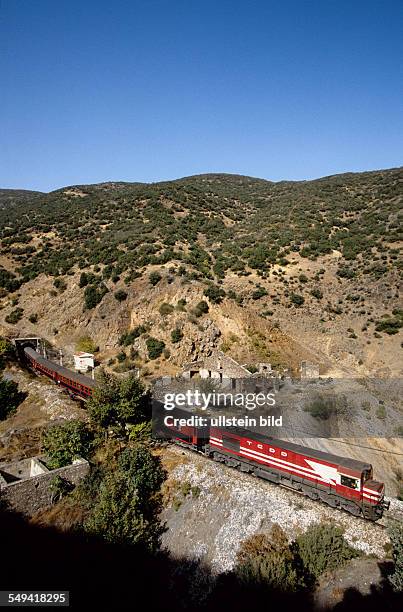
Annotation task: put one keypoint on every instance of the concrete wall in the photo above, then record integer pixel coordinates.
(31, 494)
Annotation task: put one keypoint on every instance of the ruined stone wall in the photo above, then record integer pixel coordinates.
(32, 494)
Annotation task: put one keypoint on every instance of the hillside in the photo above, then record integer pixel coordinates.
(292, 270)
(9, 197)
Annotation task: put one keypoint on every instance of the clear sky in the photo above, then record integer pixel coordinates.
(96, 90)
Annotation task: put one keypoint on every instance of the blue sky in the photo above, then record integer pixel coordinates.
(159, 89)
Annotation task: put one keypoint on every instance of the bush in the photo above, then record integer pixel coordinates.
(214, 293)
(259, 293)
(200, 309)
(154, 347)
(297, 299)
(176, 335)
(263, 560)
(120, 295)
(396, 537)
(64, 443)
(14, 316)
(317, 293)
(321, 408)
(154, 278)
(166, 309)
(322, 548)
(93, 295)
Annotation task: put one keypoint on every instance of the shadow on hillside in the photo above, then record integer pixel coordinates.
(122, 578)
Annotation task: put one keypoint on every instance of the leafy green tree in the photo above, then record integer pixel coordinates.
(86, 344)
(116, 402)
(10, 398)
(64, 443)
(128, 502)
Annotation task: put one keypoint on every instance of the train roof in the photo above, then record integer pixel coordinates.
(347, 462)
(79, 378)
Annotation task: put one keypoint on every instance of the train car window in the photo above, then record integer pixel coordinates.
(349, 482)
(231, 443)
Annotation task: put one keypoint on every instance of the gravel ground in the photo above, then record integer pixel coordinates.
(232, 506)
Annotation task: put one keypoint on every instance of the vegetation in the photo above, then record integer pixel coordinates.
(64, 443)
(176, 335)
(117, 403)
(120, 295)
(396, 537)
(128, 502)
(155, 347)
(124, 228)
(86, 345)
(322, 548)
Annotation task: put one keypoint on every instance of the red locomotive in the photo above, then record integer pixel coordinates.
(340, 482)
(77, 384)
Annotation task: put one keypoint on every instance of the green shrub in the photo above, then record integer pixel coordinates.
(154, 347)
(214, 293)
(297, 299)
(395, 531)
(120, 295)
(33, 318)
(321, 548)
(176, 335)
(14, 316)
(200, 309)
(267, 560)
(154, 278)
(166, 309)
(86, 345)
(317, 293)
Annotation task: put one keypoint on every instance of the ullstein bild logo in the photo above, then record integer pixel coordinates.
(203, 401)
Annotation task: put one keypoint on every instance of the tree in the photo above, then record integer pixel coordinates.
(128, 503)
(10, 398)
(396, 537)
(116, 402)
(86, 344)
(64, 443)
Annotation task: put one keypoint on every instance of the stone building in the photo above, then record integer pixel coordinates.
(218, 366)
(26, 485)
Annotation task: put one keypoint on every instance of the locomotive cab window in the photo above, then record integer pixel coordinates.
(352, 483)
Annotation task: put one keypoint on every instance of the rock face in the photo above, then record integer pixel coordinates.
(226, 507)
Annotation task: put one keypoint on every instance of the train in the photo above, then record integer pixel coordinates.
(339, 482)
(78, 386)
